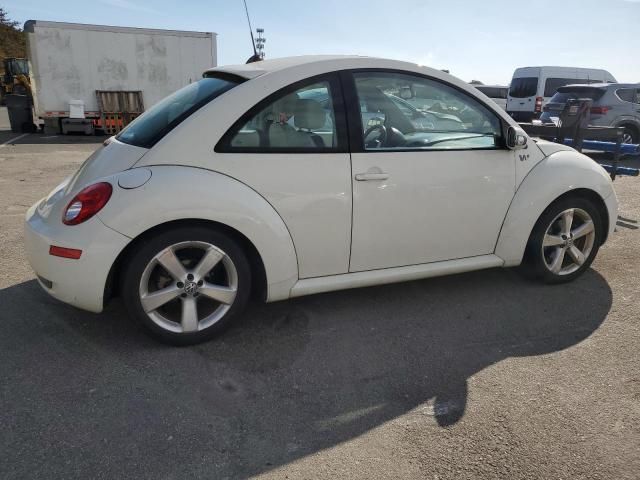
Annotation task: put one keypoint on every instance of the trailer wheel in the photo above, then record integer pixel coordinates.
(630, 135)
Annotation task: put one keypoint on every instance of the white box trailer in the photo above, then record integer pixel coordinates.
(71, 62)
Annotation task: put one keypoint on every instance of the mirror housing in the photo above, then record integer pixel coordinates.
(516, 138)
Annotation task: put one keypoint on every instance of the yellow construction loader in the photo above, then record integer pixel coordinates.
(15, 78)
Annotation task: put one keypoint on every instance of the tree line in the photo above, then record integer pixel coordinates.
(13, 42)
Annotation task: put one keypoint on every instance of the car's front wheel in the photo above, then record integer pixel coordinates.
(564, 241)
(186, 285)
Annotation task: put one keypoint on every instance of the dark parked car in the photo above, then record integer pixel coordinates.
(614, 105)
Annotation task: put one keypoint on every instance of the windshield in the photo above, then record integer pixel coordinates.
(523, 87)
(146, 130)
(18, 66)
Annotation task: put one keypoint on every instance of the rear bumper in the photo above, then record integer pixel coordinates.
(81, 282)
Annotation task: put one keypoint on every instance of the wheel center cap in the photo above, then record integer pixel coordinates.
(190, 288)
(570, 242)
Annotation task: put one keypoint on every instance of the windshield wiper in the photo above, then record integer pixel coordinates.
(449, 139)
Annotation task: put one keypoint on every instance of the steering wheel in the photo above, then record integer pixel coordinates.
(375, 142)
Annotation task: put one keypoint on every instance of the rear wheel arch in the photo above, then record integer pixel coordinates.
(259, 277)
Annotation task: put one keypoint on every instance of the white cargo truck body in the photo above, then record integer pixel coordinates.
(71, 61)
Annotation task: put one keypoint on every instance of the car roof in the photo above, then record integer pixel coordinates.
(602, 85)
(274, 74)
(326, 62)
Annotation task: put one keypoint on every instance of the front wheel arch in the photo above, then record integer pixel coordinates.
(533, 264)
(592, 197)
(259, 277)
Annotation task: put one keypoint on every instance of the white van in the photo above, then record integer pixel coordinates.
(532, 87)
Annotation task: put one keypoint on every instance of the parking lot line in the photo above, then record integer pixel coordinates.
(14, 139)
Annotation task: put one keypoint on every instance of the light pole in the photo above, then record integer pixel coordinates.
(260, 41)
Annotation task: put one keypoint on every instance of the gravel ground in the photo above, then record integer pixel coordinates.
(481, 375)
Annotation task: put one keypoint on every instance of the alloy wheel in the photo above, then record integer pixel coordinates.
(568, 241)
(188, 287)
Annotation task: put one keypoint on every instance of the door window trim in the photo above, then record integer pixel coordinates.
(337, 100)
(354, 118)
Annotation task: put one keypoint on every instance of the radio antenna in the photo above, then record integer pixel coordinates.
(255, 57)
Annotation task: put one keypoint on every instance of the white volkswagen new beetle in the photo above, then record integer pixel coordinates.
(303, 175)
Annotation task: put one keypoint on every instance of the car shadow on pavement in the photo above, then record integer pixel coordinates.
(88, 393)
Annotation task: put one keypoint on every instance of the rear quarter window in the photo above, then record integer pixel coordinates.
(146, 130)
(629, 95)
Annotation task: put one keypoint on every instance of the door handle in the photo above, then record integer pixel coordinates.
(366, 177)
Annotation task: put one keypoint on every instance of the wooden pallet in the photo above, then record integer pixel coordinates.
(118, 108)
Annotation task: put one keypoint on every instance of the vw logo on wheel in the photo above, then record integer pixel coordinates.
(190, 287)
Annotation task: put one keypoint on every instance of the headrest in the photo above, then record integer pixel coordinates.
(288, 103)
(309, 114)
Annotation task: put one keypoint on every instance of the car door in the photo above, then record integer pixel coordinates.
(522, 95)
(291, 148)
(427, 194)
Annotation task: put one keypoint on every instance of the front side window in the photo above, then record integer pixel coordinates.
(146, 130)
(298, 119)
(402, 111)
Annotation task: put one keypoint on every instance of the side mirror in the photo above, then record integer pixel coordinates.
(516, 138)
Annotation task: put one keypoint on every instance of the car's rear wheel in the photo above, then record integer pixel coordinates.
(564, 241)
(186, 285)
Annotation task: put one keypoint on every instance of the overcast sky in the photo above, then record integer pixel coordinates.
(481, 39)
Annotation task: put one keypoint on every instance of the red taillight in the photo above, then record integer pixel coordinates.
(538, 108)
(63, 252)
(87, 203)
(599, 110)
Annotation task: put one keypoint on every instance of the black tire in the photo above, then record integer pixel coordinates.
(534, 265)
(632, 134)
(147, 249)
(28, 127)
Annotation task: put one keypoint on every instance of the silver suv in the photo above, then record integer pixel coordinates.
(614, 105)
